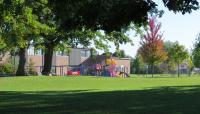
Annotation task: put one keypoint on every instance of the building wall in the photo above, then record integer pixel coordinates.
(75, 57)
(37, 61)
(83, 59)
(78, 55)
(61, 62)
(4, 58)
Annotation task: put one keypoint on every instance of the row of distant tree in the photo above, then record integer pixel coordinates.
(59, 24)
(155, 53)
(174, 55)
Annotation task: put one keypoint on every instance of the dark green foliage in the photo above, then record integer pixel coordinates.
(190, 65)
(183, 6)
(120, 54)
(31, 68)
(110, 15)
(137, 65)
(3, 47)
(21, 23)
(108, 54)
(196, 52)
(7, 68)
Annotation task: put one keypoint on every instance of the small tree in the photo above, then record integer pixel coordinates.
(6, 67)
(171, 65)
(120, 54)
(190, 65)
(31, 69)
(178, 54)
(152, 50)
(137, 65)
(196, 52)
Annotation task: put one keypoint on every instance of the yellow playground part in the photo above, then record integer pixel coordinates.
(110, 62)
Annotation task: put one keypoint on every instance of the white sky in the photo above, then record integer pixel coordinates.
(176, 27)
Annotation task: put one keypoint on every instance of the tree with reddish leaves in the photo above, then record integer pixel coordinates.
(152, 49)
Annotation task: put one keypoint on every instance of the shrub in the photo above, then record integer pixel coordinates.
(7, 68)
(31, 68)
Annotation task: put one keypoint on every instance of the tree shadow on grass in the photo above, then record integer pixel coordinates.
(164, 100)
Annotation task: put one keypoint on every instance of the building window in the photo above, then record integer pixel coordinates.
(38, 52)
(88, 54)
(31, 51)
(62, 53)
(82, 53)
(59, 53)
(85, 53)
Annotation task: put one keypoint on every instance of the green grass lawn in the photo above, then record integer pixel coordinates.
(98, 95)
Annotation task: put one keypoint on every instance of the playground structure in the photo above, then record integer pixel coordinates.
(104, 67)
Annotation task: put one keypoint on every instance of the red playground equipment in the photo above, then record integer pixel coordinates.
(74, 72)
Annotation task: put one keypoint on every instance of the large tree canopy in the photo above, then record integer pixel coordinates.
(110, 15)
(23, 20)
(20, 24)
(184, 6)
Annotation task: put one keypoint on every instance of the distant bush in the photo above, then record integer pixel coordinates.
(7, 68)
(31, 68)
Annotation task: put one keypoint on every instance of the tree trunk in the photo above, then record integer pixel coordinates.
(21, 71)
(152, 72)
(168, 68)
(189, 72)
(178, 70)
(147, 71)
(48, 56)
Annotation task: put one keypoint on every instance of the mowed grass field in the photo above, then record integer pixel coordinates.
(99, 95)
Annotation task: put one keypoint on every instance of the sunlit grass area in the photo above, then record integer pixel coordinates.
(99, 95)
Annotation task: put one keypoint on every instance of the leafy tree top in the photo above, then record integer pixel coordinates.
(21, 23)
(178, 53)
(152, 50)
(112, 15)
